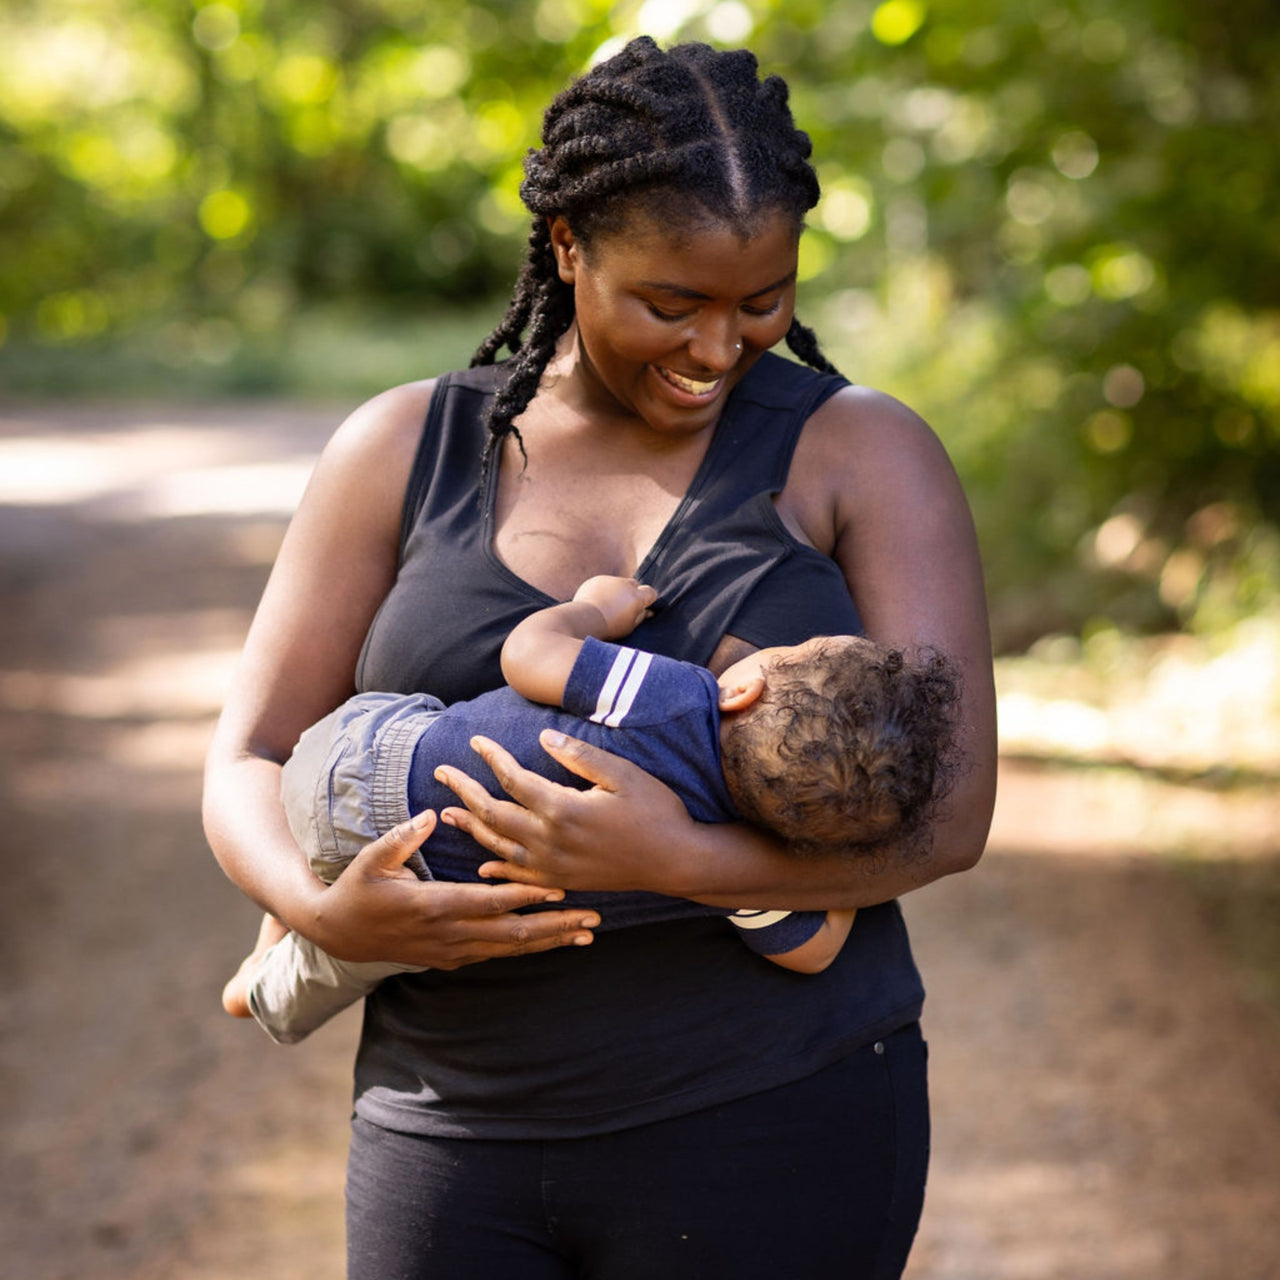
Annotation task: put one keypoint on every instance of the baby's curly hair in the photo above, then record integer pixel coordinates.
(850, 749)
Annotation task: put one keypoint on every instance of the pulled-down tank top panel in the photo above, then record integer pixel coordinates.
(724, 556)
(656, 1020)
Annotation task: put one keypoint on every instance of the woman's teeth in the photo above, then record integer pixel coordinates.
(689, 384)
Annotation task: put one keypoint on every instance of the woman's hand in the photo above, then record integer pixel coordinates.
(377, 909)
(621, 834)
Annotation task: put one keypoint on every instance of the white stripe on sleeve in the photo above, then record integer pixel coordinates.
(612, 683)
(630, 687)
(757, 919)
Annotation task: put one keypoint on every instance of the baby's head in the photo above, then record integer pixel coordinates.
(839, 743)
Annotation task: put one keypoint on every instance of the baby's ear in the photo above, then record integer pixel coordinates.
(739, 695)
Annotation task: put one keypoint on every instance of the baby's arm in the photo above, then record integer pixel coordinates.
(540, 651)
(816, 954)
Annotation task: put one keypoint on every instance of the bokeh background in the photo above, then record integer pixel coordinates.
(1049, 226)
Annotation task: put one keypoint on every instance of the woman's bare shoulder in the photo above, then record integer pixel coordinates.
(359, 482)
(858, 425)
(371, 453)
(391, 420)
(861, 451)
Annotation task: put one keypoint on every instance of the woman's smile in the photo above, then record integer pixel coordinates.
(698, 390)
(689, 392)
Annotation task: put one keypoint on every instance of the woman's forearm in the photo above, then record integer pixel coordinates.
(631, 832)
(737, 865)
(247, 831)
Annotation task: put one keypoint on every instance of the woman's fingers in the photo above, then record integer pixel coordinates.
(485, 928)
(473, 922)
(550, 834)
(600, 768)
(501, 869)
(438, 924)
(388, 854)
(504, 827)
(486, 834)
(523, 785)
(481, 901)
(485, 818)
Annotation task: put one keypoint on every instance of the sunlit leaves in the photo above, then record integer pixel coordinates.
(896, 21)
(225, 214)
(216, 27)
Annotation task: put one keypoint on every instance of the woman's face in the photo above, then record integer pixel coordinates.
(669, 321)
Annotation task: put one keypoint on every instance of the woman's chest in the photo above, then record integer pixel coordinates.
(563, 520)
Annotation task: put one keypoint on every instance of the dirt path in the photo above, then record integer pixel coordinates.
(1107, 1099)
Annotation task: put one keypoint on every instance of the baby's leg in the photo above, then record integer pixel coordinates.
(235, 995)
(297, 987)
(292, 987)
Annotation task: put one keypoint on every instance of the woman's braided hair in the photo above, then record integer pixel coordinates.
(652, 132)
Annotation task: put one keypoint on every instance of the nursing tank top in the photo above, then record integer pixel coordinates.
(655, 1020)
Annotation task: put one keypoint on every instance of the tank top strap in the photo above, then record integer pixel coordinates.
(766, 414)
(454, 428)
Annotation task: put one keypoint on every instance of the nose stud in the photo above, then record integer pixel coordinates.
(737, 346)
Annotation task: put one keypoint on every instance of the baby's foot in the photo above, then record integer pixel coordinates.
(235, 995)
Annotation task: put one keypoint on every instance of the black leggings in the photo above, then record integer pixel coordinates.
(818, 1180)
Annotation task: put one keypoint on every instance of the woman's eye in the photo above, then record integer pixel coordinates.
(764, 311)
(664, 315)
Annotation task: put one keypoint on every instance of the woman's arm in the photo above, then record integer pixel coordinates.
(630, 831)
(871, 486)
(336, 564)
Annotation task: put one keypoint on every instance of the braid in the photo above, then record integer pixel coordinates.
(691, 133)
(547, 303)
(804, 342)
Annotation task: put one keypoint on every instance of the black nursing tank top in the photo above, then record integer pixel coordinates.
(657, 1020)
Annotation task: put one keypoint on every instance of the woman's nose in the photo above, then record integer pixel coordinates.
(715, 345)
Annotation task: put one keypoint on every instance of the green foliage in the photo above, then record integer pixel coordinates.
(1068, 261)
(1046, 225)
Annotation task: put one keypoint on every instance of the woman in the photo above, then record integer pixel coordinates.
(658, 1103)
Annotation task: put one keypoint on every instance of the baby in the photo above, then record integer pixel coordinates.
(837, 745)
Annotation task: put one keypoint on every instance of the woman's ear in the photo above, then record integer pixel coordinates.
(740, 695)
(565, 247)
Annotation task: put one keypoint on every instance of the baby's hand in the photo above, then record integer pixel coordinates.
(623, 602)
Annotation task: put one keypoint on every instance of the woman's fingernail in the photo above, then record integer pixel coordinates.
(553, 738)
(582, 940)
